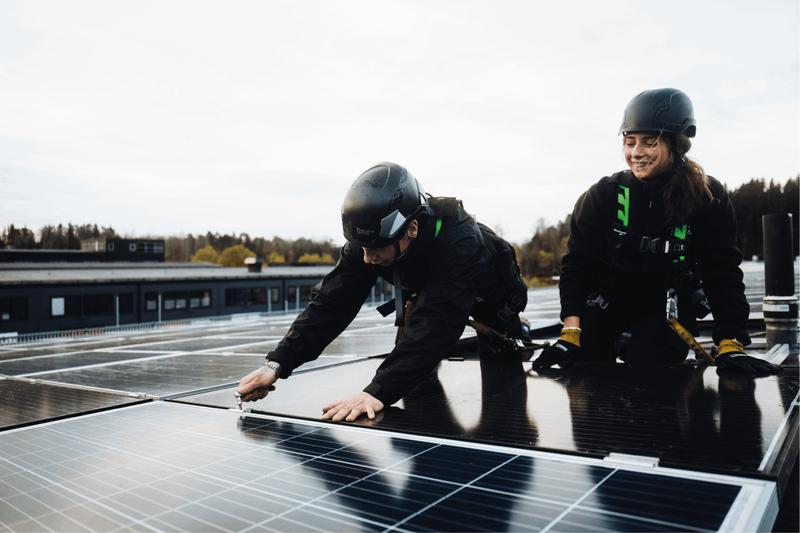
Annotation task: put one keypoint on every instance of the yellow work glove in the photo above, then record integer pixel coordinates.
(731, 355)
(566, 349)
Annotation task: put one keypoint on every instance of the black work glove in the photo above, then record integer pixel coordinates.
(563, 352)
(731, 355)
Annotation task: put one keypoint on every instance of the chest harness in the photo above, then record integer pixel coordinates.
(675, 246)
(504, 256)
(396, 304)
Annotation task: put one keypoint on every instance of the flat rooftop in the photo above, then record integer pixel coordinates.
(62, 273)
(141, 431)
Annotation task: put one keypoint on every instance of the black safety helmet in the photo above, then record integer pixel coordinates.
(662, 110)
(380, 205)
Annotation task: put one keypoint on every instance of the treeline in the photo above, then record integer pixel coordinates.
(211, 247)
(758, 198)
(274, 251)
(54, 237)
(540, 258)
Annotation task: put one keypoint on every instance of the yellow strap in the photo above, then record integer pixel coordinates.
(689, 339)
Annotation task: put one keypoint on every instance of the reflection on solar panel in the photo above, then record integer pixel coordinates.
(478, 446)
(23, 403)
(161, 466)
(166, 375)
(44, 363)
(686, 416)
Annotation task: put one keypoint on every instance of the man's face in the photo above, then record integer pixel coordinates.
(385, 256)
(379, 256)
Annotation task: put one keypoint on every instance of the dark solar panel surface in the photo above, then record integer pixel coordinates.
(165, 339)
(190, 361)
(45, 363)
(173, 467)
(23, 403)
(166, 375)
(686, 416)
(165, 467)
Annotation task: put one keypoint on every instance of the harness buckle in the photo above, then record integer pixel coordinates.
(599, 301)
(505, 313)
(672, 304)
(649, 245)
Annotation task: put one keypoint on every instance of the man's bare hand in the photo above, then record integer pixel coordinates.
(352, 407)
(257, 384)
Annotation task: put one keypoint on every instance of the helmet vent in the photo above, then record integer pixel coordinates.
(391, 223)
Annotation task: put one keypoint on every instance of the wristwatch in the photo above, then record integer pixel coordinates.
(274, 366)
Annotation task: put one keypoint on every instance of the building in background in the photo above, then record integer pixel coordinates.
(39, 297)
(103, 250)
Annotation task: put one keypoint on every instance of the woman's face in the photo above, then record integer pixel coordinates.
(647, 154)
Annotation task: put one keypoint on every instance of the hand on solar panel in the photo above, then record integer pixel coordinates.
(731, 355)
(257, 384)
(562, 353)
(352, 407)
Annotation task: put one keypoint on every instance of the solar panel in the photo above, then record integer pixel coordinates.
(686, 417)
(162, 466)
(165, 375)
(44, 363)
(23, 403)
(200, 343)
(432, 462)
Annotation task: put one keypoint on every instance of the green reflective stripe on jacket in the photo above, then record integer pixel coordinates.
(624, 199)
(438, 227)
(681, 234)
(623, 214)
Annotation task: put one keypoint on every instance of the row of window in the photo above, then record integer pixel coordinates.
(13, 308)
(176, 300)
(258, 295)
(78, 305)
(140, 247)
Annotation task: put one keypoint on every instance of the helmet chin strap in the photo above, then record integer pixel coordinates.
(677, 168)
(397, 253)
(397, 281)
(680, 164)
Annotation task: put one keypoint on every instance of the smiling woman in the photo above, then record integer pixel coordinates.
(646, 155)
(662, 234)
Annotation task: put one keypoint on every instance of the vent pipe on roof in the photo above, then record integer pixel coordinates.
(780, 302)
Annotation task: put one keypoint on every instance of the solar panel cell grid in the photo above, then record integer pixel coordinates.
(165, 466)
(684, 416)
(161, 466)
(36, 365)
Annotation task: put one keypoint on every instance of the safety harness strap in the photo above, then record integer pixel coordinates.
(622, 235)
(398, 294)
(396, 304)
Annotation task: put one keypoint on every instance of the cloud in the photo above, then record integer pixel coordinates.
(168, 117)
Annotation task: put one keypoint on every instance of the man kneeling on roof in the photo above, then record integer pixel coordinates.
(449, 267)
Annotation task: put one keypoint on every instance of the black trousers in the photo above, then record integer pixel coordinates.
(651, 341)
(486, 313)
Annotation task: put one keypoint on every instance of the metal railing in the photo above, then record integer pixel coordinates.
(97, 331)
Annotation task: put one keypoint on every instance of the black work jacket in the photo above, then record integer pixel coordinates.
(594, 262)
(447, 272)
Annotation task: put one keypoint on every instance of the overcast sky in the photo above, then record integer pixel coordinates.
(175, 117)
